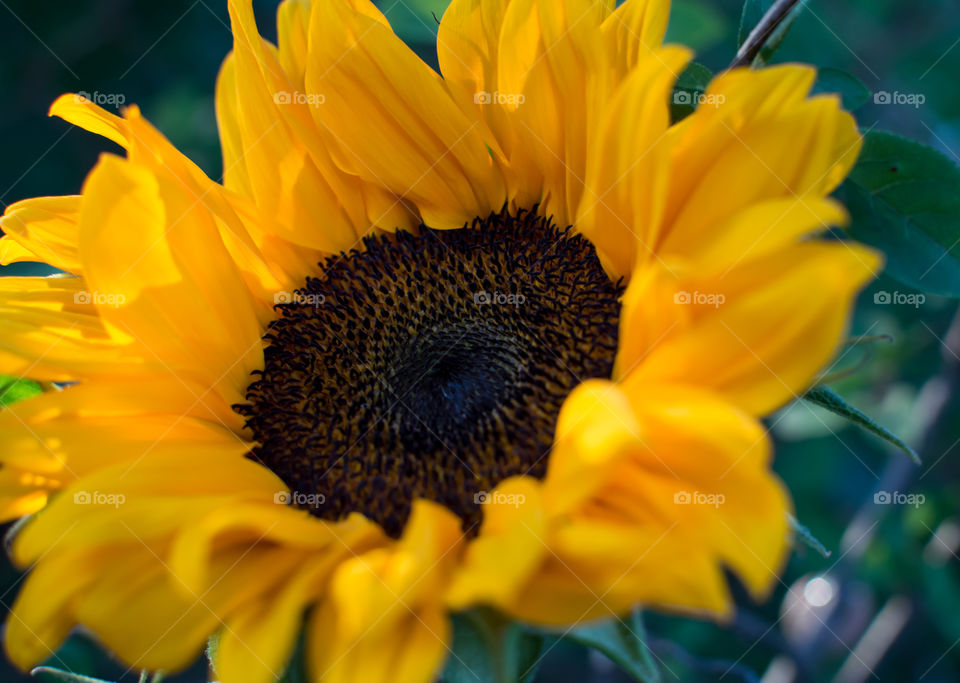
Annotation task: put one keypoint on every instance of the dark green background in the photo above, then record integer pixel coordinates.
(165, 56)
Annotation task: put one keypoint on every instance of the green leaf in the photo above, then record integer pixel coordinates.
(805, 535)
(48, 674)
(832, 401)
(13, 389)
(851, 89)
(624, 642)
(753, 12)
(904, 199)
(489, 648)
(698, 24)
(687, 91)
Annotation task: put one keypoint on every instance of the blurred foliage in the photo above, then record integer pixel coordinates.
(165, 57)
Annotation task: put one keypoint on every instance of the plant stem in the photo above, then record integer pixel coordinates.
(762, 31)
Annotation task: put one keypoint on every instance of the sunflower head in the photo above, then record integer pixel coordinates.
(430, 366)
(485, 337)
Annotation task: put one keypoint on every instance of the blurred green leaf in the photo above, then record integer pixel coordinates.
(750, 16)
(488, 647)
(13, 389)
(690, 85)
(832, 401)
(851, 89)
(805, 535)
(697, 24)
(624, 642)
(941, 591)
(48, 674)
(904, 199)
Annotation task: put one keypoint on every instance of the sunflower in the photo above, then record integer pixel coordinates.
(499, 337)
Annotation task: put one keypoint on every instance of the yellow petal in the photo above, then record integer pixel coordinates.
(256, 643)
(124, 397)
(147, 147)
(271, 135)
(383, 619)
(468, 45)
(706, 466)
(759, 333)
(269, 522)
(137, 612)
(170, 285)
(23, 492)
(68, 448)
(413, 650)
(413, 139)
(293, 22)
(600, 570)
(54, 333)
(80, 111)
(48, 228)
(749, 128)
(551, 75)
(13, 252)
(500, 560)
(693, 497)
(146, 496)
(648, 315)
(634, 31)
(40, 618)
(627, 175)
(235, 175)
(596, 426)
(757, 229)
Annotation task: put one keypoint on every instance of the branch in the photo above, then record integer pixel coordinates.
(762, 31)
